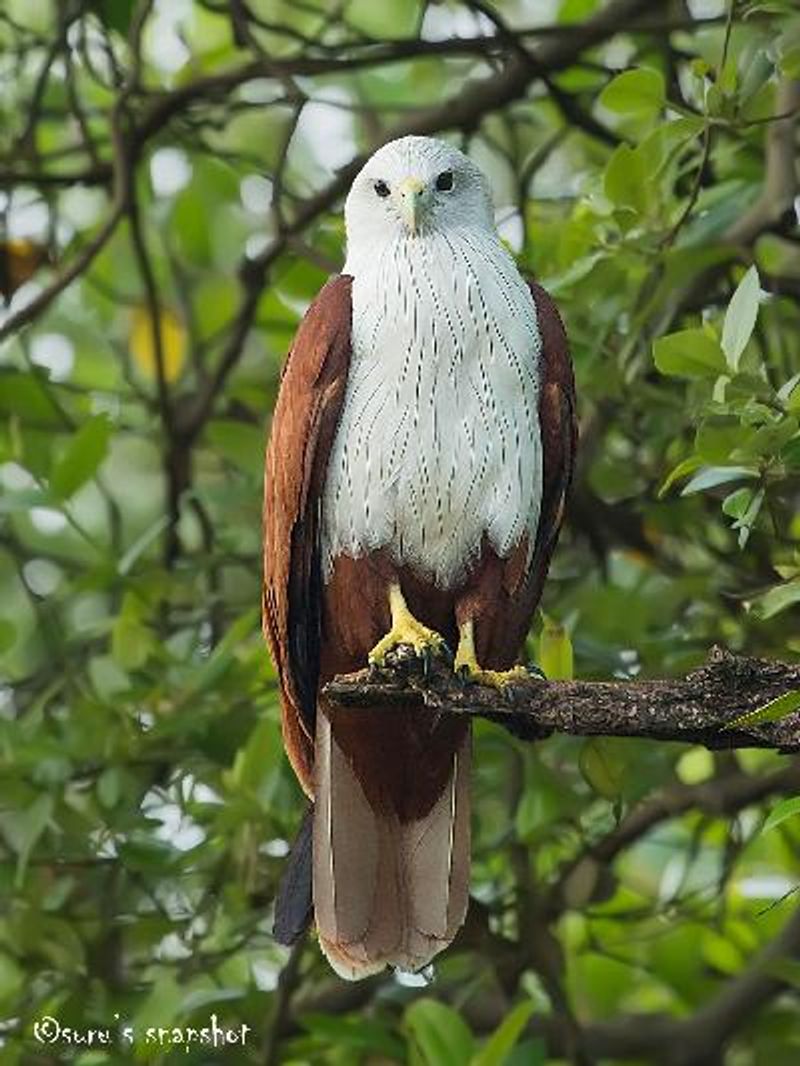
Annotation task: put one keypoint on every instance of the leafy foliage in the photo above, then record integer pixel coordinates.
(186, 163)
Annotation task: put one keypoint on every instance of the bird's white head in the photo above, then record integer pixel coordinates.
(412, 188)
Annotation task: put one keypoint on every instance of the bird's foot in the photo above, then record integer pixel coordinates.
(407, 631)
(535, 673)
(474, 674)
(467, 667)
(425, 642)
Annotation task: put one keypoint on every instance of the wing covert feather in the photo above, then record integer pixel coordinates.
(558, 426)
(303, 426)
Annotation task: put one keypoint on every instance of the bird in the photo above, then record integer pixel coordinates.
(419, 459)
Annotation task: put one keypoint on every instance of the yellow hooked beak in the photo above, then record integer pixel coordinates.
(409, 201)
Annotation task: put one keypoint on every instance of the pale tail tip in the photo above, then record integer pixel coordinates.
(415, 978)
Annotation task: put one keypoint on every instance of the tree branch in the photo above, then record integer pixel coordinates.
(697, 709)
(720, 797)
(698, 1040)
(780, 169)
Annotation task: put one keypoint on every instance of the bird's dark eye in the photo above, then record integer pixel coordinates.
(381, 188)
(444, 183)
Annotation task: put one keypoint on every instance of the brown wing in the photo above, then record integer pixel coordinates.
(558, 426)
(303, 426)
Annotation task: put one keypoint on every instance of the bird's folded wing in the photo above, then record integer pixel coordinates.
(558, 426)
(303, 426)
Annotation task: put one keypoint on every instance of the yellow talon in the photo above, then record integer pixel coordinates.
(466, 661)
(405, 630)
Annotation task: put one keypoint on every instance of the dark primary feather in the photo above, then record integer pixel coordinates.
(294, 905)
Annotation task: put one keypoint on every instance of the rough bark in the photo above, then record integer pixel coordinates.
(697, 709)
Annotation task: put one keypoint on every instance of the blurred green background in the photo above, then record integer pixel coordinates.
(171, 177)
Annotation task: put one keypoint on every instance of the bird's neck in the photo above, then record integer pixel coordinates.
(375, 252)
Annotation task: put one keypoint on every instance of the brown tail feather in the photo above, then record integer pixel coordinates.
(386, 891)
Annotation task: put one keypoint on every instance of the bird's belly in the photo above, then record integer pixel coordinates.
(430, 475)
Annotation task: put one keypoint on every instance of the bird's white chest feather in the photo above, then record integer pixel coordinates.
(438, 443)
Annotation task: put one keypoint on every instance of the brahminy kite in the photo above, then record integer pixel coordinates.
(421, 451)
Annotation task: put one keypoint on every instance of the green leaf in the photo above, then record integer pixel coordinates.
(222, 656)
(555, 651)
(391, 18)
(689, 353)
(572, 11)
(8, 635)
(531, 1052)
(639, 92)
(26, 396)
(12, 979)
(162, 1005)
(744, 522)
(131, 640)
(131, 643)
(774, 711)
(711, 476)
(115, 14)
(108, 679)
(737, 503)
(626, 179)
(716, 438)
(439, 1033)
(354, 1034)
(777, 599)
(720, 953)
(251, 771)
(240, 442)
(787, 808)
(108, 786)
(23, 828)
(603, 764)
(497, 1048)
(790, 62)
(141, 544)
(684, 467)
(84, 454)
(767, 441)
(740, 318)
(789, 393)
(661, 143)
(787, 970)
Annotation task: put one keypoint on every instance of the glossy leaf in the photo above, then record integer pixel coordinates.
(639, 92)
(441, 1037)
(688, 353)
(603, 766)
(555, 651)
(740, 318)
(773, 711)
(788, 808)
(81, 458)
(496, 1050)
(777, 599)
(712, 476)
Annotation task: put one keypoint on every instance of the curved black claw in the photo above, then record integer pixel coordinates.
(373, 671)
(535, 671)
(463, 675)
(427, 661)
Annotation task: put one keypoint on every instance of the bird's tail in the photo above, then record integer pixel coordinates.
(391, 885)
